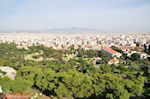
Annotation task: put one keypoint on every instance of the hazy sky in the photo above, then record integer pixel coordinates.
(103, 15)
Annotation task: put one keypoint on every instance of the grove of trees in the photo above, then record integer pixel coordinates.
(76, 78)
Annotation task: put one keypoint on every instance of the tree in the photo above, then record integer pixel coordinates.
(135, 56)
(46, 80)
(148, 50)
(14, 86)
(104, 56)
(77, 78)
(109, 86)
(28, 73)
(137, 44)
(105, 68)
(79, 84)
(62, 92)
(135, 86)
(70, 84)
(117, 49)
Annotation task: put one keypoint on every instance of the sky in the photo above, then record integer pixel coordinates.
(102, 15)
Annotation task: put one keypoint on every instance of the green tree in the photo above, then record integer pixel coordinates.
(109, 86)
(14, 86)
(28, 73)
(79, 84)
(135, 56)
(117, 49)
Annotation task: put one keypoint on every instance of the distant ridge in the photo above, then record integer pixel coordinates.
(73, 30)
(57, 30)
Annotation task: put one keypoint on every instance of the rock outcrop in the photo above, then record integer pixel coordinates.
(10, 72)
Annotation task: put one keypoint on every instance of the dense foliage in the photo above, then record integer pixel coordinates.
(78, 77)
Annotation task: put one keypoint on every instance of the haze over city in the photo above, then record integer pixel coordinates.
(99, 15)
(75, 49)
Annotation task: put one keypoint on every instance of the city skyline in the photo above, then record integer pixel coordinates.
(100, 15)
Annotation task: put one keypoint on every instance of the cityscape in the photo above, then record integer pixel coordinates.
(74, 49)
(99, 49)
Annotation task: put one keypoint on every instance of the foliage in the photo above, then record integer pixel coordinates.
(135, 56)
(78, 77)
(117, 49)
(14, 86)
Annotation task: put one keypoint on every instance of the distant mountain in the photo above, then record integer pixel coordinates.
(70, 30)
(58, 30)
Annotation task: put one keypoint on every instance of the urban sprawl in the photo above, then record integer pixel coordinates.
(127, 42)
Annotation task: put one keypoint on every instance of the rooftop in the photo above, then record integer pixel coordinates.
(110, 50)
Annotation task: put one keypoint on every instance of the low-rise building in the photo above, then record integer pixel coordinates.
(111, 52)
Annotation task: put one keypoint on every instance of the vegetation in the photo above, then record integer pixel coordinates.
(147, 49)
(117, 49)
(76, 78)
(135, 56)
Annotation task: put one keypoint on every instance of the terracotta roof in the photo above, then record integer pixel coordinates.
(110, 50)
(127, 47)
